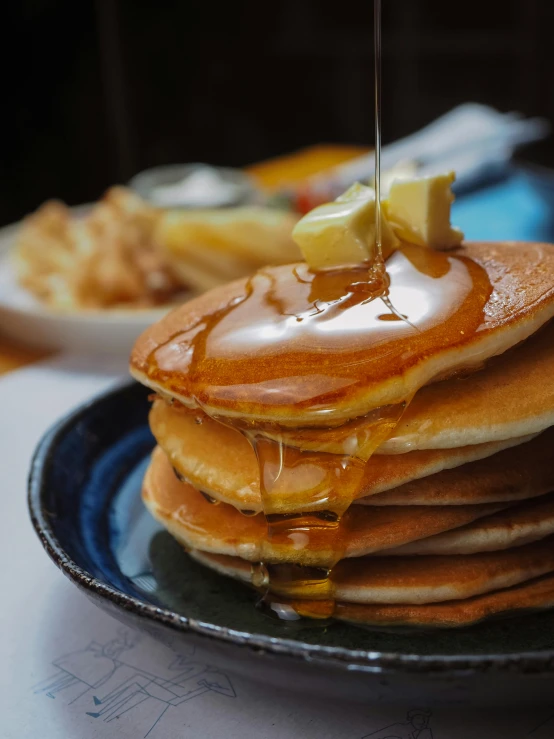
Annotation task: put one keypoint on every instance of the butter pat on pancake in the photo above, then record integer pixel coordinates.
(299, 348)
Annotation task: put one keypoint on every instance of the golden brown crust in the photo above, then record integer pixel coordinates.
(522, 301)
(411, 582)
(512, 527)
(533, 595)
(518, 473)
(436, 578)
(517, 390)
(232, 475)
(222, 529)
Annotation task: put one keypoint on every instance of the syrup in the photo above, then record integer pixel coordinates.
(299, 345)
(377, 87)
(254, 352)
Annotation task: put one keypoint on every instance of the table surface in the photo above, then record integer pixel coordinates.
(271, 174)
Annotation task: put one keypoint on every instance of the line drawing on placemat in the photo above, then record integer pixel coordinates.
(102, 678)
(416, 726)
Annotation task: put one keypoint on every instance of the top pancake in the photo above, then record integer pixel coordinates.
(279, 348)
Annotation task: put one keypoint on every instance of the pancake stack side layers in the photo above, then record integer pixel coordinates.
(366, 440)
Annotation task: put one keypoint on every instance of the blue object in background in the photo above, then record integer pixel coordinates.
(515, 209)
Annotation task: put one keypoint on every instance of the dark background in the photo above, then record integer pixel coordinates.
(95, 91)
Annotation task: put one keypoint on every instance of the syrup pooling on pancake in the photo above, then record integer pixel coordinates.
(231, 475)
(336, 478)
(314, 338)
(310, 336)
(225, 530)
(304, 496)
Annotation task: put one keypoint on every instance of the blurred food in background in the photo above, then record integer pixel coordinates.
(106, 258)
(125, 253)
(194, 186)
(476, 141)
(301, 180)
(473, 140)
(208, 247)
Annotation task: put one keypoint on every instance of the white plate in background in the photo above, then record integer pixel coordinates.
(30, 323)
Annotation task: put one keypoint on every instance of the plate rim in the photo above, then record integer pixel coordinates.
(539, 662)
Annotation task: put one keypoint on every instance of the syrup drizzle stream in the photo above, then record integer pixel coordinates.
(253, 347)
(377, 77)
(377, 56)
(342, 473)
(305, 493)
(325, 483)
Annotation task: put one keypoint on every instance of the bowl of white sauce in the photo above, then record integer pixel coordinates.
(184, 186)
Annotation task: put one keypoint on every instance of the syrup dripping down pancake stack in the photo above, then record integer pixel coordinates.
(365, 445)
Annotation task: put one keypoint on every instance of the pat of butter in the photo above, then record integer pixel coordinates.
(419, 211)
(405, 169)
(342, 232)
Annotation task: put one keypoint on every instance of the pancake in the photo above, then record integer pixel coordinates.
(511, 527)
(221, 529)
(418, 580)
(218, 459)
(530, 596)
(535, 594)
(521, 472)
(233, 351)
(517, 391)
(328, 364)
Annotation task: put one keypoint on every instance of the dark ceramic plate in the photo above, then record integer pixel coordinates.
(84, 497)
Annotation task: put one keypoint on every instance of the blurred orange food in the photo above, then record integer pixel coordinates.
(125, 253)
(292, 170)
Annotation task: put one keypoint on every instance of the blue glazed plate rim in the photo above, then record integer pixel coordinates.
(532, 662)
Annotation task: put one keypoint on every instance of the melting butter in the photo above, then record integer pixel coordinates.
(342, 233)
(418, 209)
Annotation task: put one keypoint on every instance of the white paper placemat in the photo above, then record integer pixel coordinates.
(69, 671)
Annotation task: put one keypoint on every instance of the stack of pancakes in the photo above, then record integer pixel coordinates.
(452, 515)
